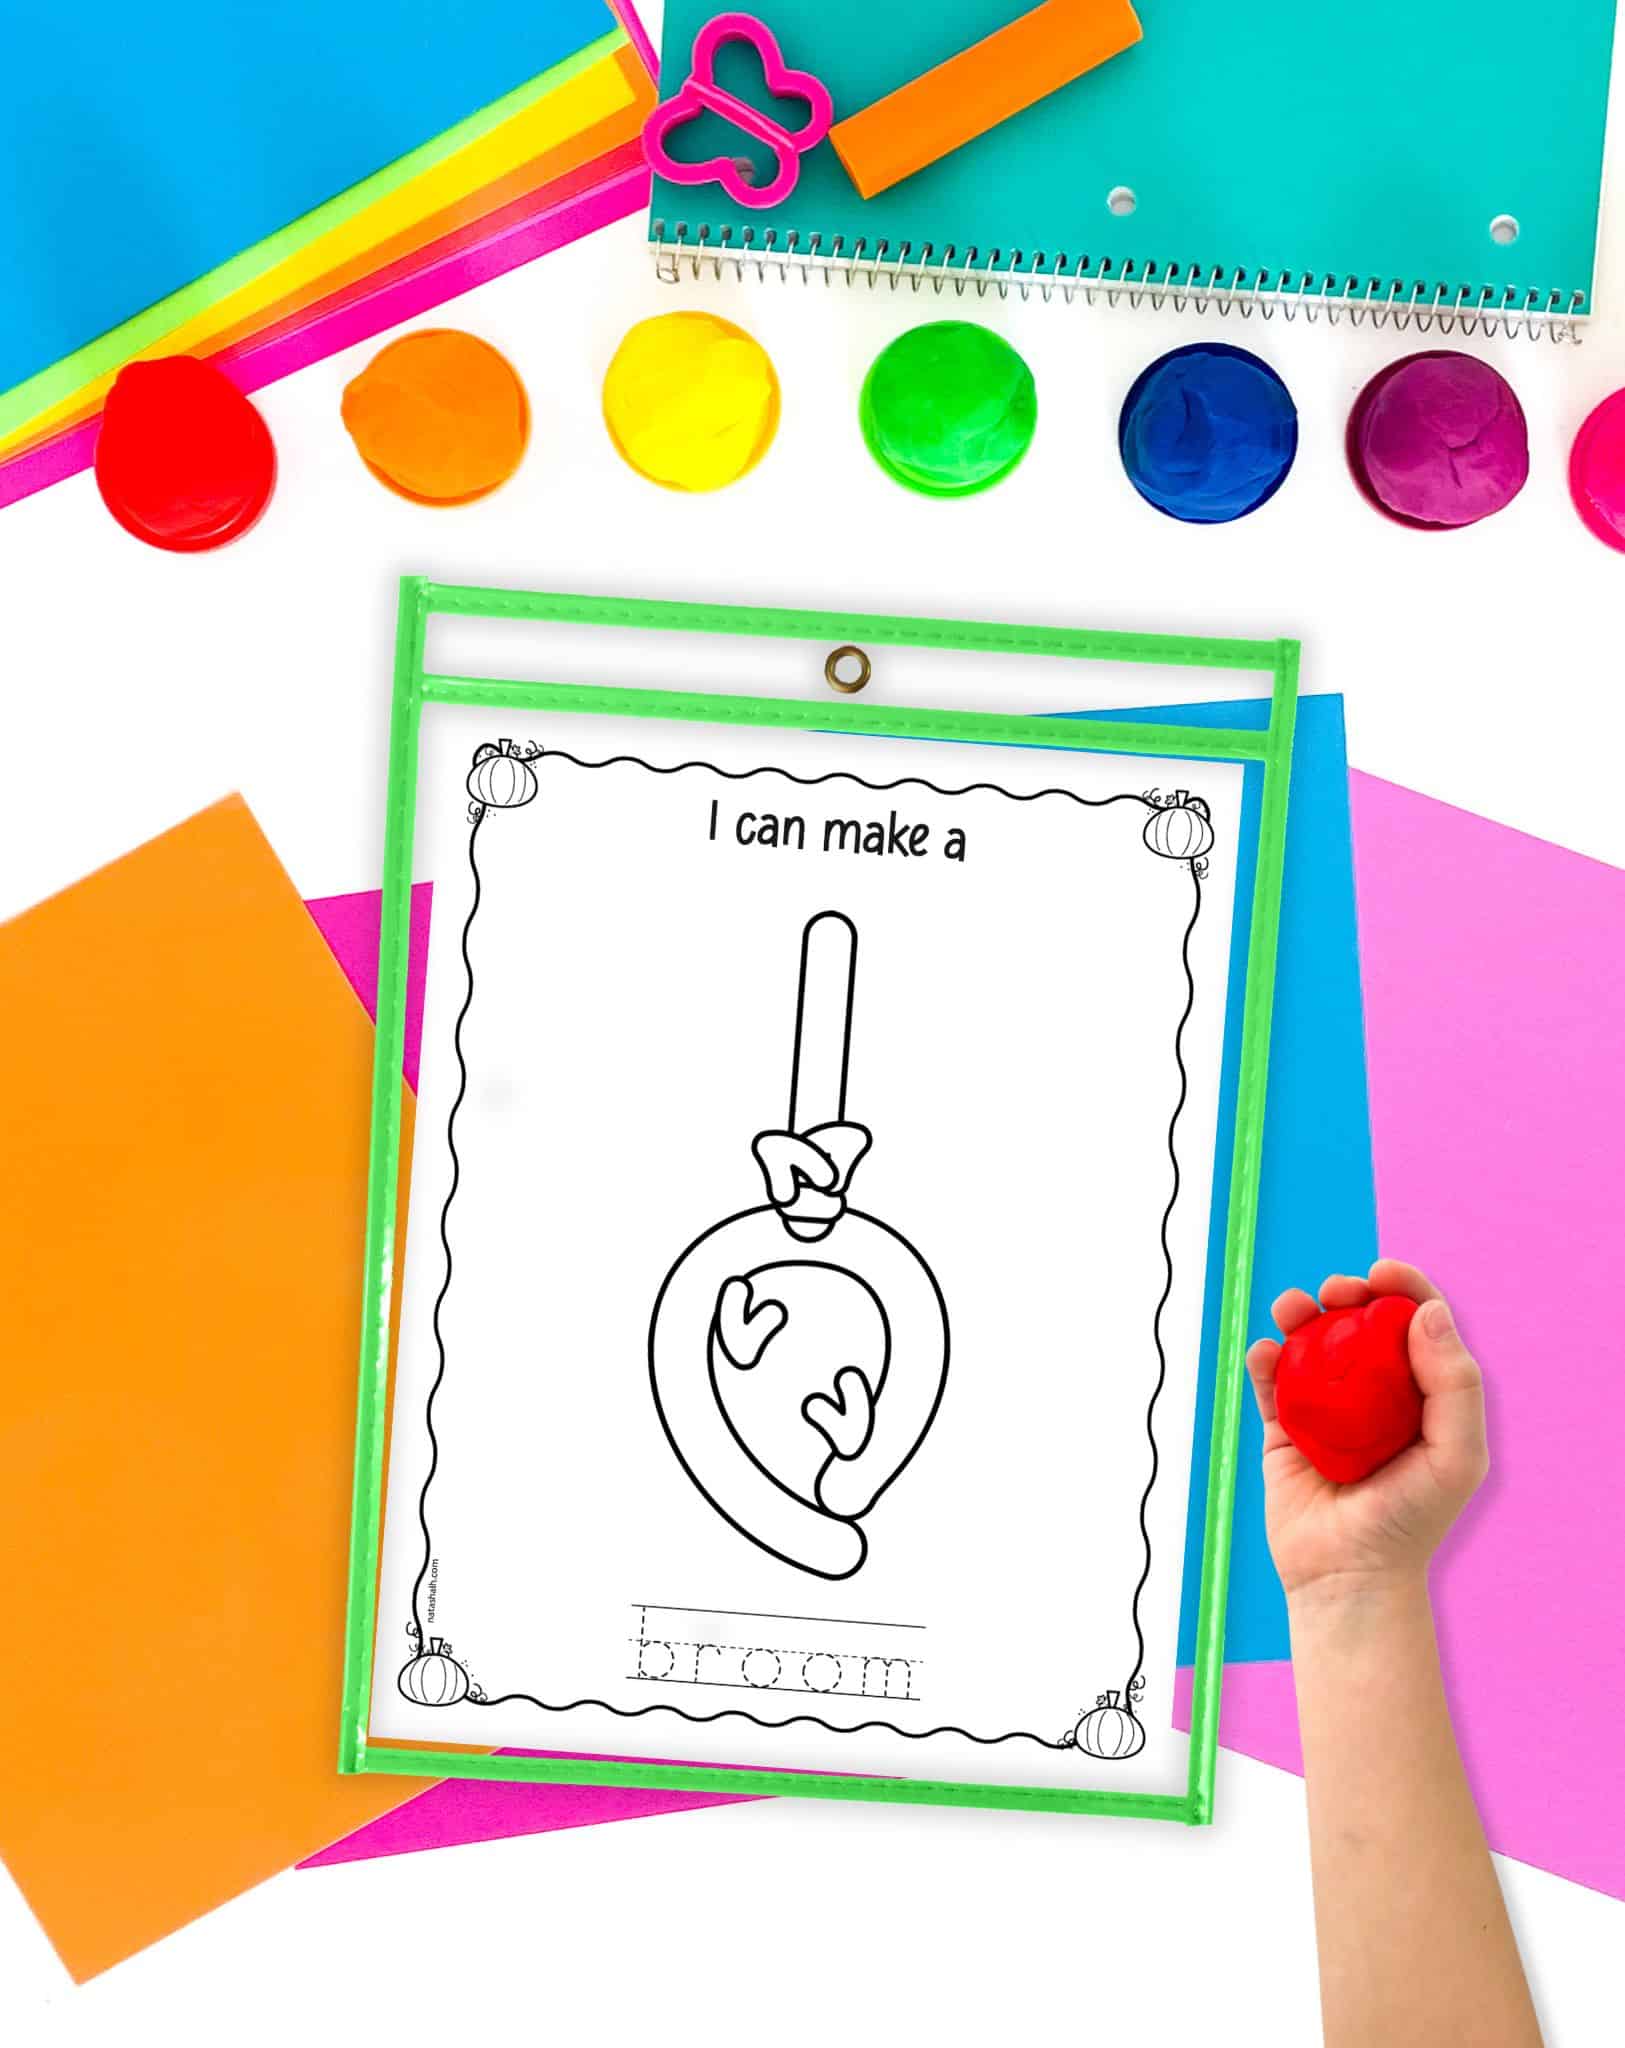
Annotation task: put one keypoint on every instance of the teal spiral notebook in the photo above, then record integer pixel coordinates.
(1425, 160)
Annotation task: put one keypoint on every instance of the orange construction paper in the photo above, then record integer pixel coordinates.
(942, 110)
(185, 1131)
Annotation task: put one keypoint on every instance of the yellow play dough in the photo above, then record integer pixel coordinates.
(691, 401)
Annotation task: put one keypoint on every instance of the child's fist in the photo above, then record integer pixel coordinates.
(1325, 1528)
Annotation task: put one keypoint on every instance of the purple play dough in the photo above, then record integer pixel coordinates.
(1440, 440)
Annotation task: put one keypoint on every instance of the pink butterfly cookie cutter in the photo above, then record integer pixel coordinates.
(700, 93)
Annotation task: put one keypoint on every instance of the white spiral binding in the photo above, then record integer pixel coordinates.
(1531, 314)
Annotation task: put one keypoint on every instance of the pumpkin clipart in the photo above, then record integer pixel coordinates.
(501, 778)
(798, 1351)
(434, 1678)
(1179, 827)
(1111, 1731)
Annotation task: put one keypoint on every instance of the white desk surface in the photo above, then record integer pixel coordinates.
(1483, 668)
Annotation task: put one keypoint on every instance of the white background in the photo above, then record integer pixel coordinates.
(138, 688)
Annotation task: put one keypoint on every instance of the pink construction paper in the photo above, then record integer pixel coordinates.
(258, 360)
(1258, 1712)
(479, 1810)
(1494, 971)
(349, 924)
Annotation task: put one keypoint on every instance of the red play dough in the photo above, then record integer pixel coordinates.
(183, 461)
(1344, 1391)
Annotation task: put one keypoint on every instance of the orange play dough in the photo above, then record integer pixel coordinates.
(439, 416)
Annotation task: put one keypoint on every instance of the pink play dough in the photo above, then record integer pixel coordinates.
(1597, 472)
(1439, 440)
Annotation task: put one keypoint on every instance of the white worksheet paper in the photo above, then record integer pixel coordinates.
(867, 1450)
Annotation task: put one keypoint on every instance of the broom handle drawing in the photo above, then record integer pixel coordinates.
(809, 1164)
(829, 957)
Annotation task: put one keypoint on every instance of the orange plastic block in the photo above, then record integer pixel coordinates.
(942, 110)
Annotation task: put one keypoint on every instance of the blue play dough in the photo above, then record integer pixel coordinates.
(1208, 433)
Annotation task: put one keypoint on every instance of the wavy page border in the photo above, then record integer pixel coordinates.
(1111, 1731)
(1270, 751)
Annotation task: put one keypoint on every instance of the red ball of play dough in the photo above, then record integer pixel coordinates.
(1344, 1391)
(183, 461)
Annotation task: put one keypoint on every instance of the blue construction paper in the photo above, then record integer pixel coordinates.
(1317, 1210)
(1364, 150)
(144, 147)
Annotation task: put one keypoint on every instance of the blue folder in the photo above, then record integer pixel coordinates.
(1359, 151)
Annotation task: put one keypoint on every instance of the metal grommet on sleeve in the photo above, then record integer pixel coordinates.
(847, 669)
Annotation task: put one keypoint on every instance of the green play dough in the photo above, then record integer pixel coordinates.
(948, 408)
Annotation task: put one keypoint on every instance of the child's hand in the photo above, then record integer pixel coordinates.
(1386, 1526)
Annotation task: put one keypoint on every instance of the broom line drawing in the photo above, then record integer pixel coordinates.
(719, 1317)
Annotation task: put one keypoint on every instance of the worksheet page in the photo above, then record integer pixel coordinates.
(810, 1216)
